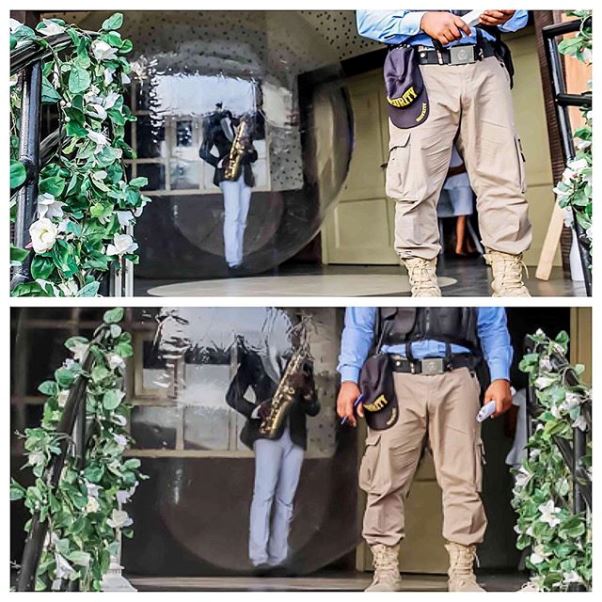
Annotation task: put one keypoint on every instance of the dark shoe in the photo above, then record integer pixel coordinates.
(262, 570)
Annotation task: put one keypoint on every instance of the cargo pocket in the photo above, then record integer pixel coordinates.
(520, 156)
(398, 168)
(479, 462)
(369, 463)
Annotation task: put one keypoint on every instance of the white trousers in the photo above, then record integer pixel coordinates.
(237, 198)
(277, 469)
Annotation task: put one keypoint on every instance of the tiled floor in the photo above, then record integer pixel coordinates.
(466, 277)
(352, 582)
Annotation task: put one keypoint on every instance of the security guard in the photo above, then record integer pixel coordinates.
(433, 356)
(446, 82)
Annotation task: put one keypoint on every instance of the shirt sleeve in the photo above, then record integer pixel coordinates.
(389, 26)
(517, 21)
(356, 341)
(495, 341)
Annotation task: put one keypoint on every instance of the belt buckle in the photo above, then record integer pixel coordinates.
(462, 55)
(432, 365)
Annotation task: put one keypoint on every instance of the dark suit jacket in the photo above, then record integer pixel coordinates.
(214, 136)
(251, 373)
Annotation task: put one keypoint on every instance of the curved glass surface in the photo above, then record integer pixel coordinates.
(198, 77)
(215, 488)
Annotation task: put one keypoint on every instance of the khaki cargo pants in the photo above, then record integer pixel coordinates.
(472, 105)
(444, 408)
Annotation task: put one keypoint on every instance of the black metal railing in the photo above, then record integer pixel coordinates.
(563, 101)
(73, 439)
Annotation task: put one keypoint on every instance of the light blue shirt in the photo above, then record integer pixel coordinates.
(397, 26)
(358, 336)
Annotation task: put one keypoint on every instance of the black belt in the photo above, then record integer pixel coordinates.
(433, 365)
(462, 54)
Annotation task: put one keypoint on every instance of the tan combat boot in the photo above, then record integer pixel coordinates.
(461, 568)
(507, 274)
(423, 277)
(386, 569)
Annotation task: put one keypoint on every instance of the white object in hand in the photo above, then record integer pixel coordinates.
(486, 411)
(472, 18)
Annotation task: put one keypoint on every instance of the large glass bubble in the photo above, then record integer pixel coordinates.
(218, 495)
(243, 131)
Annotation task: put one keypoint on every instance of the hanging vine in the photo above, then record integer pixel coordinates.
(575, 188)
(84, 513)
(560, 540)
(85, 201)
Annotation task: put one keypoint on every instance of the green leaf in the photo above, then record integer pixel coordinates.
(17, 255)
(111, 399)
(53, 185)
(18, 174)
(139, 182)
(112, 316)
(90, 290)
(48, 387)
(42, 267)
(49, 94)
(113, 22)
(79, 80)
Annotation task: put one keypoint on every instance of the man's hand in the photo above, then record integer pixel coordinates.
(499, 391)
(493, 18)
(444, 27)
(348, 395)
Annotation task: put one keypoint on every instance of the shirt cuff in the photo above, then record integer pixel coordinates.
(255, 413)
(349, 373)
(411, 22)
(498, 370)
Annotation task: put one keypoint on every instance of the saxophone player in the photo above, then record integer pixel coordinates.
(278, 458)
(232, 139)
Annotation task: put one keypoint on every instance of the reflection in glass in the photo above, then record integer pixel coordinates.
(277, 69)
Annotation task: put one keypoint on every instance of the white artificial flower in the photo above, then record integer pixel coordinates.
(92, 94)
(571, 401)
(543, 382)
(549, 513)
(62, 397)
(69, 288)
(121, 440)
(63, 569)
(100, 111)
(49, 207)
(51, 28)
(119, 519)
(43, 235)
(92, 505)
(116, 361)
(122, 244)
(123, 496)
(537, 555)
(125, 79)
(580, 423)
(572, 577)
(93, 489)
(108, 76)
(578, 164)
(99, 138)
(103, 51)
(523, 477)
(125, 218)
(36, 458)
(545, 364)
(110, 99)
(14, 25)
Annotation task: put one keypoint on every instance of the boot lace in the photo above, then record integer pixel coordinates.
(421, 275)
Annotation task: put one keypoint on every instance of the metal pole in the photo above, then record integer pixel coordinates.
(29, 155)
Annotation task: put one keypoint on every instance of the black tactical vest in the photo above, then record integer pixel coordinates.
(453, 325)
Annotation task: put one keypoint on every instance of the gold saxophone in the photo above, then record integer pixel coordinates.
(285, 395)
(238, 150)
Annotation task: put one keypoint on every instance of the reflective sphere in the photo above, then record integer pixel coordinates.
(199, 75)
